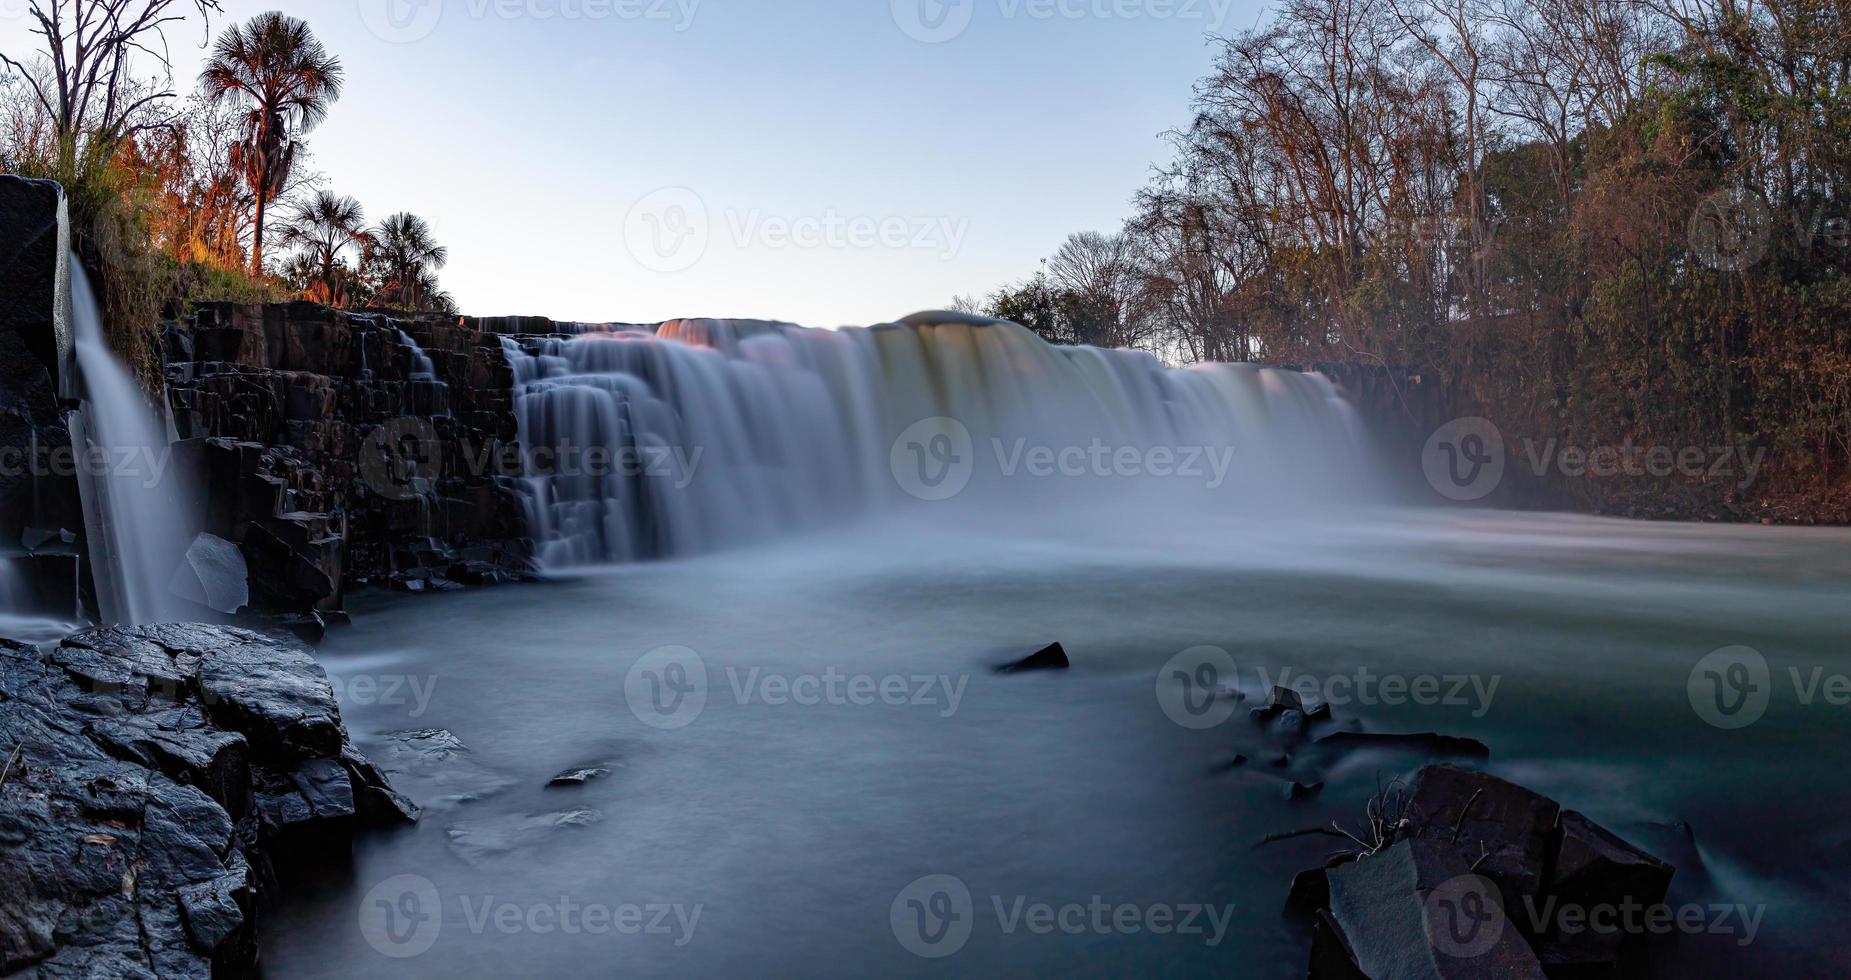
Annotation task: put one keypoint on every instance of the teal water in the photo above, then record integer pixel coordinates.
(797, 828)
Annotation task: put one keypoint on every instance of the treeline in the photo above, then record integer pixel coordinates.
(210, 196)
(1600, 221)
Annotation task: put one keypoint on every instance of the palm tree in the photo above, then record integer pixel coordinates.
(323, 228)
(277, 68)
(407, 255)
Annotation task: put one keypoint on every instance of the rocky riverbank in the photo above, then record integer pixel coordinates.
(153, 779)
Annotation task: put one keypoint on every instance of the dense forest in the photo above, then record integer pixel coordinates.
(1605, 222)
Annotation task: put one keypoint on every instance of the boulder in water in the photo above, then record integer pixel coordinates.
(1415, 911)
(214, 575)
(1452, 891)
(1051, 657)
(577, 777)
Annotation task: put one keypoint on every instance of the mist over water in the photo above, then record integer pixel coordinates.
(795, 825)
(727, 432)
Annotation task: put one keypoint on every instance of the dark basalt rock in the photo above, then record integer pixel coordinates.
(158, 770)
(1481, 854)
(332, 461)
(1412, 912)
(35, 353)
(1052, 657)
(1594, 868)
(1508, 829)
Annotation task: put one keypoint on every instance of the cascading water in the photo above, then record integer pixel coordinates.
(420, 361)
(132, 495)
(645, 443)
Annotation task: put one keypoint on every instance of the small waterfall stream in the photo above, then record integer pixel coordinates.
(421, 362)
(131, 490)
(656, 442)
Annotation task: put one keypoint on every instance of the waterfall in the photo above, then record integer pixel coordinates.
(422, 367)
(132, 498)
(655, 442)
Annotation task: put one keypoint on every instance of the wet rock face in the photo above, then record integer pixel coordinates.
(158, 771)
(35, 342)
(1459, 892)
(332, 457)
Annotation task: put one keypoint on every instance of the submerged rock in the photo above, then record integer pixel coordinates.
(1051, 657)
(577, 777)
(156, 767)
(1426, 743)
(482, 841)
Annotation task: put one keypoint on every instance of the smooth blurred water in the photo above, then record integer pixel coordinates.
(795, 827)
(132, 493)
(732, 432)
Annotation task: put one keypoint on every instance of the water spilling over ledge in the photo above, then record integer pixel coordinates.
(716, 433)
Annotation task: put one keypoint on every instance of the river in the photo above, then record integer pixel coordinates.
(797, 734)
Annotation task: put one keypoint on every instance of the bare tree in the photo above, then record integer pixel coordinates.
(88, 87)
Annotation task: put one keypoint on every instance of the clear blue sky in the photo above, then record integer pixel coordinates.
(822, 163)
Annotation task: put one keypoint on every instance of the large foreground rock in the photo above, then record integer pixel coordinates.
(1483, 878)
(158, 770)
